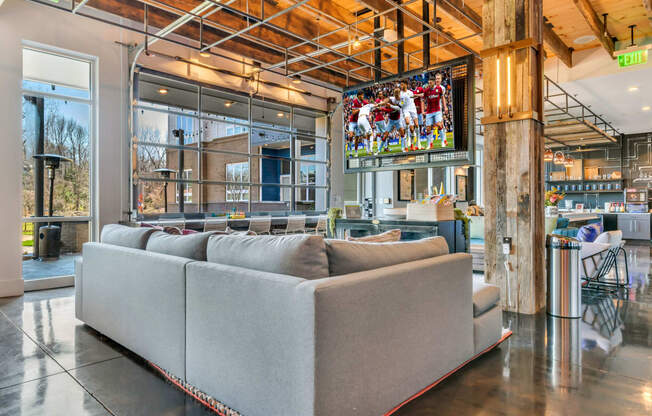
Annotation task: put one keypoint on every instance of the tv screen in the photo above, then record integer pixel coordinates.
(412, 114)
(405, 121)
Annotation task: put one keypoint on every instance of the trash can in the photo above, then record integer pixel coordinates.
(564, 295)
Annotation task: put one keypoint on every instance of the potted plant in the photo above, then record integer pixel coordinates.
(553, 197)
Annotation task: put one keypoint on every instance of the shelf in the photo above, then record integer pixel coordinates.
(604, 191)
(586, 180)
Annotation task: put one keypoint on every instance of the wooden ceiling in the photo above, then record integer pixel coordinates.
(332, 40)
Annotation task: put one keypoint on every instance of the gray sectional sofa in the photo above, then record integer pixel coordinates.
(289, 325)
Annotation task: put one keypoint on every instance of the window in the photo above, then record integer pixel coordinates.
(246, 154)
(237, 172)
(187, 187)
(57, 118)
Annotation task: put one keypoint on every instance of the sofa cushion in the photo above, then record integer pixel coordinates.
(300, 255)
(352, 256)
(191, 246)
(121, 235)
(485, 296)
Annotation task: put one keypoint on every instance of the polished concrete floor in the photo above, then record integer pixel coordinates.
(52, 364)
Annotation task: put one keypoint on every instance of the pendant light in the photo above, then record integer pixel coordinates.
(548, 155)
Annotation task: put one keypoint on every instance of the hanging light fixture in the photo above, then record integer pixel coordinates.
(548, 155)
(569, 161)
(559, 158)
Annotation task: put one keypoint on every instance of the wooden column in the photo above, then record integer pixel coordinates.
(513, 150)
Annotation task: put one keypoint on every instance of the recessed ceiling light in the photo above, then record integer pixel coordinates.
(646, 108)
(632, 89)
(296, 79)
(583, 40)
(204, 54)
(280, 114)
(228, 103)
(163, 91)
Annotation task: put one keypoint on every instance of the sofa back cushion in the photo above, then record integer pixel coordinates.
(121, 235)
(191, 246)
(351, 256)
(300, 255)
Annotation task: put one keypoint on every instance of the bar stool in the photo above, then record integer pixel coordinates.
(320, 228)
(296, 224)
(260, 225)
(218, 224)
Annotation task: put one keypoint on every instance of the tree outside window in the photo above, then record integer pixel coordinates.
(237, 172)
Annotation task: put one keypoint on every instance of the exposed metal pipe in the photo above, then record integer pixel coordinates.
(433, 28)
(259, 23)
(362, 52)
(78, 6)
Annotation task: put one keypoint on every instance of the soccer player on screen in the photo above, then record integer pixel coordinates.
(364, 127)
(395, 121)
(410, 116)
(354, 132)
(435, 100)
(419, 92)
(382, 134)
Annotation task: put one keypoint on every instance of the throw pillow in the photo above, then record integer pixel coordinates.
(121, 235)
(386, 237)
(588, 233)
(192, 246)
(346, 257)
(300, 255)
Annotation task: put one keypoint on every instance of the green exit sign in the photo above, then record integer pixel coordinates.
(632, 58)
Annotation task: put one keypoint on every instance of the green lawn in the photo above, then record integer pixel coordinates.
(395, 148)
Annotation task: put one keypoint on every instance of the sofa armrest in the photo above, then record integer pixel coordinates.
(383, 335)
(137, 298)
(249, 339)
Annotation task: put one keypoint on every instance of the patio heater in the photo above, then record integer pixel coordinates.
(165, 174)
(49, 236)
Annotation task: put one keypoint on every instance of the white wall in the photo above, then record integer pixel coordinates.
(23, 21)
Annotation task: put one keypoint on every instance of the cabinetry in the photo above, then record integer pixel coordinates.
(634, 226)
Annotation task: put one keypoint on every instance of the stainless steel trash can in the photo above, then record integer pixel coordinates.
(564, 295)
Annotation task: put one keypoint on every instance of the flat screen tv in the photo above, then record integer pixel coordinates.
(421, 119)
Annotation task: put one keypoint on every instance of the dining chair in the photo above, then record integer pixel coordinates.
(215, 224)
(295, 224)
(260, 225)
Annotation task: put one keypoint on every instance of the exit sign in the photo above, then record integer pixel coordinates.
(632, 58)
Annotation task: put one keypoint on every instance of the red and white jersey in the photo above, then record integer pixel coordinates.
(379, 112)
(417, 100)
(394, 114)
(433, 98)
(355, 105)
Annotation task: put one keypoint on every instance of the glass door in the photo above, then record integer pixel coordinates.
(57, 121)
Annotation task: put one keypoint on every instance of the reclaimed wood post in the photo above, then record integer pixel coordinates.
(513, 150)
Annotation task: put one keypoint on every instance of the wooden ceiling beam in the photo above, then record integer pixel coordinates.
(468, 18)
(411, 24)
(596, 25)
(134, 10)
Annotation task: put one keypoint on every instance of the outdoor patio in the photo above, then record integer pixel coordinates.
(37, 269)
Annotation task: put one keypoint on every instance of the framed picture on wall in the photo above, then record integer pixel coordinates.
(460, 187)
(406, 185)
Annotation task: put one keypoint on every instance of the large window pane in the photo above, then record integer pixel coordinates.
(310, 199)
(168, 94)
(310, 123)
(279, 203)
(153, 126)
(222, 105)
(311, 148)
(59, 127)
(270, 115)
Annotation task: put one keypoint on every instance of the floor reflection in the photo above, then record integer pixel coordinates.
(600, 364)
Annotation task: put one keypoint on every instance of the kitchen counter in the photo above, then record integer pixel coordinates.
(634, 226)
